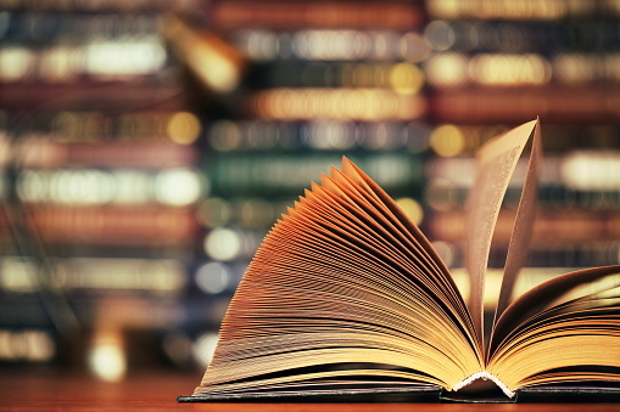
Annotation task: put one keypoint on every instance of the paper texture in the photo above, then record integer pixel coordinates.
(497, 161)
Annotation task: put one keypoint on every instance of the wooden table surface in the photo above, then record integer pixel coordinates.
(157, 391)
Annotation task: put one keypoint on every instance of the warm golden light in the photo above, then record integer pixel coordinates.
(590, 171)
(508, 9)
(16, 63)
(406, 78)
(447, 141)
(204, 347)
(447, 69)
(183, 128)
(510, 70)
(212, 60)
(179, 187)
(28, 345)
(121, 58)
(412, 208)
(106, 357)
(344, 104)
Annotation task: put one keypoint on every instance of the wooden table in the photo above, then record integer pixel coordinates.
(157, 391)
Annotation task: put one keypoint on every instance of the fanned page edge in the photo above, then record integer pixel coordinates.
(483, 206)
(207, 381)
(523, 226)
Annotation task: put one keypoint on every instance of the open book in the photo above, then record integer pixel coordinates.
(346, 297)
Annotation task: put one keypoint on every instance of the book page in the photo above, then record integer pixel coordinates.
(552, 292)
(495, 165)
(344, 292)
(564, 331)
(523, 225)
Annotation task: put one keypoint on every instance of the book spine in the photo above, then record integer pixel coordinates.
(101, 6)
(404, 77)
(115, 187)
(148, 127)
(43, 153)
(23, 97)
(45, 27)
(365, 104)
(578, 170)
(231, 14)
(385, 45)
(477, 105)
(519, 10)
(115, 225)
(568, 225)
(273, 175)
(32, 345)
(522, 70)
(97, 276)
(259, 135)
(480, 36)
(88, 62)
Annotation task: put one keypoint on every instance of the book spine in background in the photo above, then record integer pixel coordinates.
(43, 153)
(175, 187)
(456, 141)
(442, 196)
(95, 61)
(78, 96)
(260, 45)
(92, 275)
(231, 14)
(102, 126)
(278, 174)
(366, 104)
(550, 225)
(520, 9)
(455, 70)
(477, 105)
(45, 27)
(258, 135)
(403, 77)
(27, 345)
(115, 225)
(101, 6)
(577, 170)
(476, 36)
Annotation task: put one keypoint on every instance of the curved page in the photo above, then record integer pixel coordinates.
(565, 331)
(496, 162)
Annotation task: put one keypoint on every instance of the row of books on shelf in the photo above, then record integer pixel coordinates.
(93, 60)
(395, 15)
(548, 10)
(99, 181)
(165, 139)
(115, 139)
(99, 6)
(236, 233)
(46, 27)
(154, 95)
(99, 126)
(329, 45)
(531, 36)
(340, 12)
(107, 178)
(447, 70)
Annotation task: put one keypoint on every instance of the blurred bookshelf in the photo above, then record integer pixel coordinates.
(147, 147)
